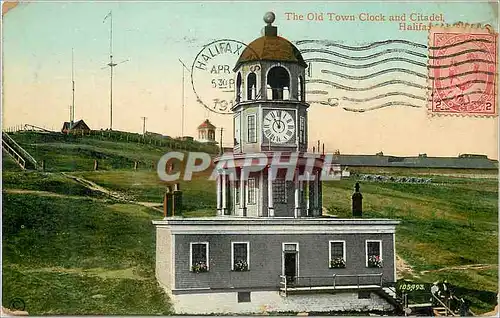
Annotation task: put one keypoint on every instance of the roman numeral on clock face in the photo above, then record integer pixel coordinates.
(279, 126)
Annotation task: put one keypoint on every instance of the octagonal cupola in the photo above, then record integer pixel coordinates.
(270, 112)
(270, 68)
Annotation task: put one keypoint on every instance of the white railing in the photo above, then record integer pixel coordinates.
(6, 139)
(328, 282)
(20, 161)
(448, 310)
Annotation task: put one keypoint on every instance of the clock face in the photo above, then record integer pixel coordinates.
(279, 126)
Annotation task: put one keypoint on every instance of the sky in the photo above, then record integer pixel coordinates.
(151, 37)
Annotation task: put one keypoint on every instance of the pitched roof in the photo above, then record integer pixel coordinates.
(66, 125)
(206, 124)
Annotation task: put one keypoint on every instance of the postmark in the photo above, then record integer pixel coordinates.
(462, 71)
(212, 77)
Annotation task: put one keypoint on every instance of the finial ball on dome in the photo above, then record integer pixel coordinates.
(269, 17)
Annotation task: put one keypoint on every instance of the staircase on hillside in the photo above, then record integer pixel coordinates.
(389, 294)
(21, 156)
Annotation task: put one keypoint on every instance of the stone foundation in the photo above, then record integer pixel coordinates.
(262, 302)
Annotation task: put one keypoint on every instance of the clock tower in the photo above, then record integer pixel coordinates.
(270, 124)
(270, 113)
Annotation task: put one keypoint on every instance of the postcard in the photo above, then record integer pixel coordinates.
(250, 158)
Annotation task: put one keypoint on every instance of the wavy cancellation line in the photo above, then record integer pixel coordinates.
(390, 82)
(360, 66)
(361, 89)
(389, 51)
(385, 95)
(388, 104)
(396, 59)
(362, 48)
(317, 92)
(368, 76)
(441, 57)
(387, 42)
(389, 94)
(403, 70)
(442, 47)
(361, 58)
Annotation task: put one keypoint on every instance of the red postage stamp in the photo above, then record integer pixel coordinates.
(462, 71)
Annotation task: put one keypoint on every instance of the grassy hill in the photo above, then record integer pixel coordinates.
(71, 250)
(113, 150)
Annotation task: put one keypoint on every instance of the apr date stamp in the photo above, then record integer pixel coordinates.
(462, 71)
(212, 76)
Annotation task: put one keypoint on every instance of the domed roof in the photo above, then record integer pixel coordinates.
(271, 48)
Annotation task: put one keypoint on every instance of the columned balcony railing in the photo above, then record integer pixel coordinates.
(334, 282)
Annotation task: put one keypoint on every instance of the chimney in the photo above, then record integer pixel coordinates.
(357, 202)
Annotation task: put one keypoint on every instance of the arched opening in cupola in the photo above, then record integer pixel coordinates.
(251, 86)
(278, 83)
(238, 88)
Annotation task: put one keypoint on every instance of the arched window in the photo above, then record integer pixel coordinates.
(278, 82)
(251, 86)
(238, 88)
(301, 89)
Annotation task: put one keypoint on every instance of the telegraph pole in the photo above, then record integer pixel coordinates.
(221, 130)
(111, 65)
(72, 112)
(182, 111)
(144, 125)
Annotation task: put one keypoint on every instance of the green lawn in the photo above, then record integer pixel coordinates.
(450, 224)
(79, 256)
(77, 252)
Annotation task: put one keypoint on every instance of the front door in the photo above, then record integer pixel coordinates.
(290, 266)
(291, 261)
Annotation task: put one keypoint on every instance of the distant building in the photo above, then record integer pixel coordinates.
(206, 132)
(77, 127)
(185, 138)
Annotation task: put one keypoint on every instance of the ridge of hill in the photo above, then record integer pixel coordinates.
(113, 150)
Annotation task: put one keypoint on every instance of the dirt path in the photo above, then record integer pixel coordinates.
(91, 186)
(402, 267)
(38, 192)
(114, 194)
(461, 267)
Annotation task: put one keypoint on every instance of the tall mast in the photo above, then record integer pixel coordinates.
(182, 111)
(72, 118)
(111, 65)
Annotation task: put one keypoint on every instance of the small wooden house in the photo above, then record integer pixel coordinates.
(77, 127)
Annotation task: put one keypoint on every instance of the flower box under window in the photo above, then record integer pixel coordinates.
(375, 261)
(199, 267)
(337, 263)
(240, 266)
